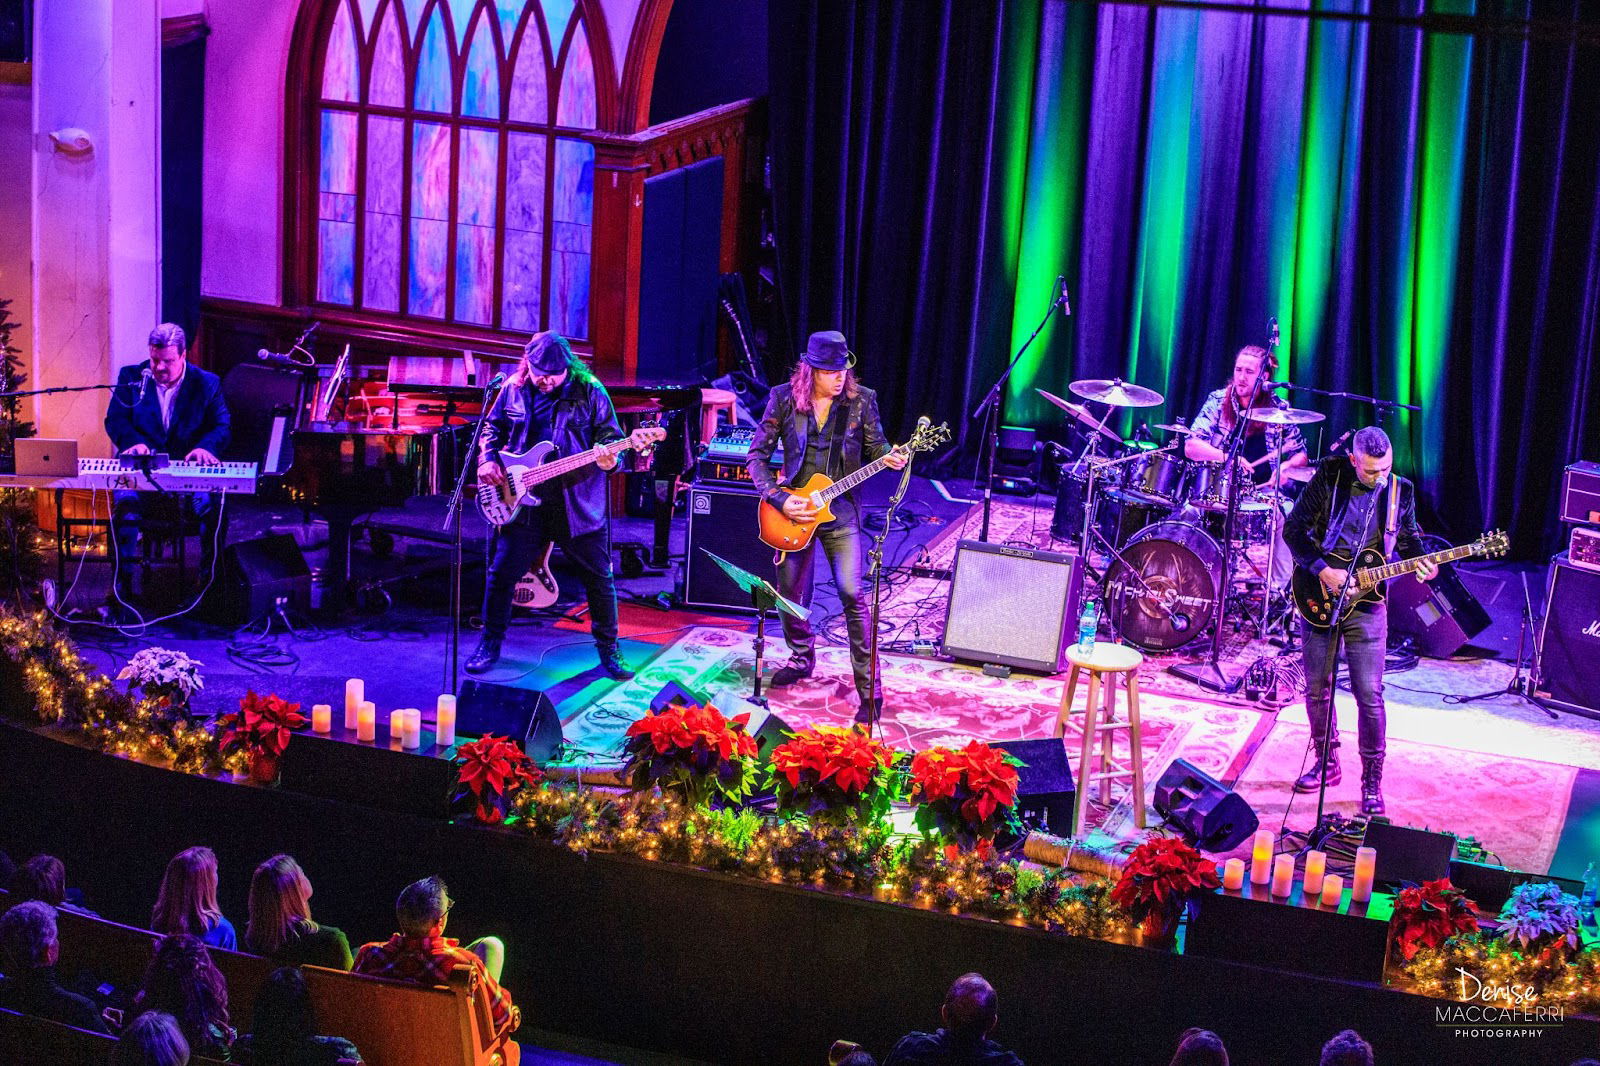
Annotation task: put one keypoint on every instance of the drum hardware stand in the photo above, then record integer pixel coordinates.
(989, 408)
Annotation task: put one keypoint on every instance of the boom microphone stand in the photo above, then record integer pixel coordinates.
(452, 522)
(876, 558)
(989, 408)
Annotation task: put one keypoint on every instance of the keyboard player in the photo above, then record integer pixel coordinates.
(165, 406)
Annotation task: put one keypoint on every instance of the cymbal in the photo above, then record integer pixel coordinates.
(1116, 392)
(1081, 413)
(1285, 416)
(1182, 431)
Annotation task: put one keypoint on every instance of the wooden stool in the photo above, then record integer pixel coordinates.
(1109, 661)
(714, 403)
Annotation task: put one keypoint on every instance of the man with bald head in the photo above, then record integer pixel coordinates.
(970, 1013)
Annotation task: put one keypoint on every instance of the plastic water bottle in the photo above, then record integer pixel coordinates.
(1591, 886)
(1088, 623)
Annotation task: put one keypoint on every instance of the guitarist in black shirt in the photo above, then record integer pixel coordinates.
(1351, 504)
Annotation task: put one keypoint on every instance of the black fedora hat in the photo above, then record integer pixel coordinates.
(828, 351)
(547, 352)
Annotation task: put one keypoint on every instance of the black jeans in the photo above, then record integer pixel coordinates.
(514, 548)
(841, 542)
(1365, 633)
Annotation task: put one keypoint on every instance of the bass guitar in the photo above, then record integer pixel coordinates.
(527, 470)
(1368, 572)
(785, 534)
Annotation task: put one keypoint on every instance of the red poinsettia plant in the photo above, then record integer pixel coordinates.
(1427, 915)
(965, 795)
(1161, 876)
(491, 769)
(694, 751)
(835, 776)
(261, 728)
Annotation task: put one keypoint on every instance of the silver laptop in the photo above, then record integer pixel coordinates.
(45, 457)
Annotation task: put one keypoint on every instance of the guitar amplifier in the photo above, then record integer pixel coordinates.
(1013, 606)
(1584, 548)
(723, 520)
(1580, 493)
(1570, 638)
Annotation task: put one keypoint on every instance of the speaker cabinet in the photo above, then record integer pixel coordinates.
(1012, 606)
(1570, 638)
(1440, 615)
(1045, 792)
(525, 715)
(1407, 854)
(257, 573)
(1211, 814)
(723, 521)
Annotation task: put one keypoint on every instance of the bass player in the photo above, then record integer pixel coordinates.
(828, 423)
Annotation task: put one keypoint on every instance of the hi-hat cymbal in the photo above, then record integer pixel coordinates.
(1116, 392)
(1081, 413)
(1285, 416)
(1182, 431)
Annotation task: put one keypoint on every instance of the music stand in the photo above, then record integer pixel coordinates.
(764, 598)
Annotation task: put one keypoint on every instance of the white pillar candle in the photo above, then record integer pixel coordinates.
(445, 727)
(1332, 889)
(1366, 867)
(1316, 869)
(1233, 875)
(397, 724)
(411, 729)
(355, 692)
(366, 721)
(1282, 876)
(322, 718)
(1261, 858)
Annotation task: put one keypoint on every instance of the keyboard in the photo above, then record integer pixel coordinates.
(125, 475)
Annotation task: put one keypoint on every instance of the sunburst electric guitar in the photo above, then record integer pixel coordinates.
(526, 471)
(1368, 572)
(786, 534)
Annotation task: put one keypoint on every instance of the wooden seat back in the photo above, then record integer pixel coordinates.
(38, 1042)
(397, 1023)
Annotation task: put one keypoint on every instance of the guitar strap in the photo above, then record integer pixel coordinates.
(1392, 525)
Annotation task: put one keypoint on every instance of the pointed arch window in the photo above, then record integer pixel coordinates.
(455, 149)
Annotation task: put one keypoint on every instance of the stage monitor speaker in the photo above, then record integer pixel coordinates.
(1490, 886)
(723, 521)
(525, 715)
(1440, 615)
(1045, 792)
(1250, 927)
(1212, 815)
(1570, 638)
(257, 573)
(1407, 854)
(768, 729)
(1013, 606)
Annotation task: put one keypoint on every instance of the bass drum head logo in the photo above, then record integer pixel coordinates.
(701, 503)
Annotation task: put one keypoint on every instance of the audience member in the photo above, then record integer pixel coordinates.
(183, 981)
(1347, 1049)
(280, 925)
(285, 1032)
(43, 878)
(420, 951)
(187, 902)
(151, 1039)
(7, 868)
(30, 949)
(849, 1053)
(1200, 1047)
(970, 1013)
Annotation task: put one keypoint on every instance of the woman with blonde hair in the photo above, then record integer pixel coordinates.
(187, 902)
(280, 924)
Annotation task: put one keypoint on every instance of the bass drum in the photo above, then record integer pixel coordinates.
(1166, 589)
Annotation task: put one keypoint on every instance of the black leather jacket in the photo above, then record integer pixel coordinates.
(1319, 514)
(583, 418)
(863, 439)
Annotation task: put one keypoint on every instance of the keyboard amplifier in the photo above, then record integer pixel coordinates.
(1013, 606)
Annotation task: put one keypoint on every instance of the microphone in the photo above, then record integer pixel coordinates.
(1279, 385)
(1143, 432)
(1180, 622)
(496, 381)
(1066, 305)
(144, 384)
(1272, 328)
(279, 358)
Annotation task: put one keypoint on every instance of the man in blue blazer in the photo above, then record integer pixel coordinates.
(165, 406)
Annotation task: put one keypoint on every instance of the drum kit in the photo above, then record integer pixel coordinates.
(1160, 519)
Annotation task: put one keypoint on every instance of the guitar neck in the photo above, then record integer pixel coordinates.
(850, 481)
(573, 462)
(1372, 575)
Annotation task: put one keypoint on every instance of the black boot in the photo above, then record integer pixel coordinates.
(1312, 779)
(486, 655)
(796, 669)
(1372, 785)
(613, 664)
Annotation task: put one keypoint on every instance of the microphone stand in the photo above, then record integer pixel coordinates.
(452, 522)
(876, 559)
(989, 410)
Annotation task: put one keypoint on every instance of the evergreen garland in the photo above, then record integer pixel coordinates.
(21, 557)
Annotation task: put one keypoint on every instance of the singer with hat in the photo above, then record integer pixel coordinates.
(828, 423)
(1352, 503)
(164, 406)
(553, 396)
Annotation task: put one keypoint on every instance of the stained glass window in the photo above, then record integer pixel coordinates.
(455, 160)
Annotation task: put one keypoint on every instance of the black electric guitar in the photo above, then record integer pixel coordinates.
(1368, 572)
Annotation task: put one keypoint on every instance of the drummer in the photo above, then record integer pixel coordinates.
(1251, 387)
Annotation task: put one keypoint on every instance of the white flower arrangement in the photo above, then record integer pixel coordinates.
(164, 671)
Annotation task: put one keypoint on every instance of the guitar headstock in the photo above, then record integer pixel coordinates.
(1492, 544)
(927, 438)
